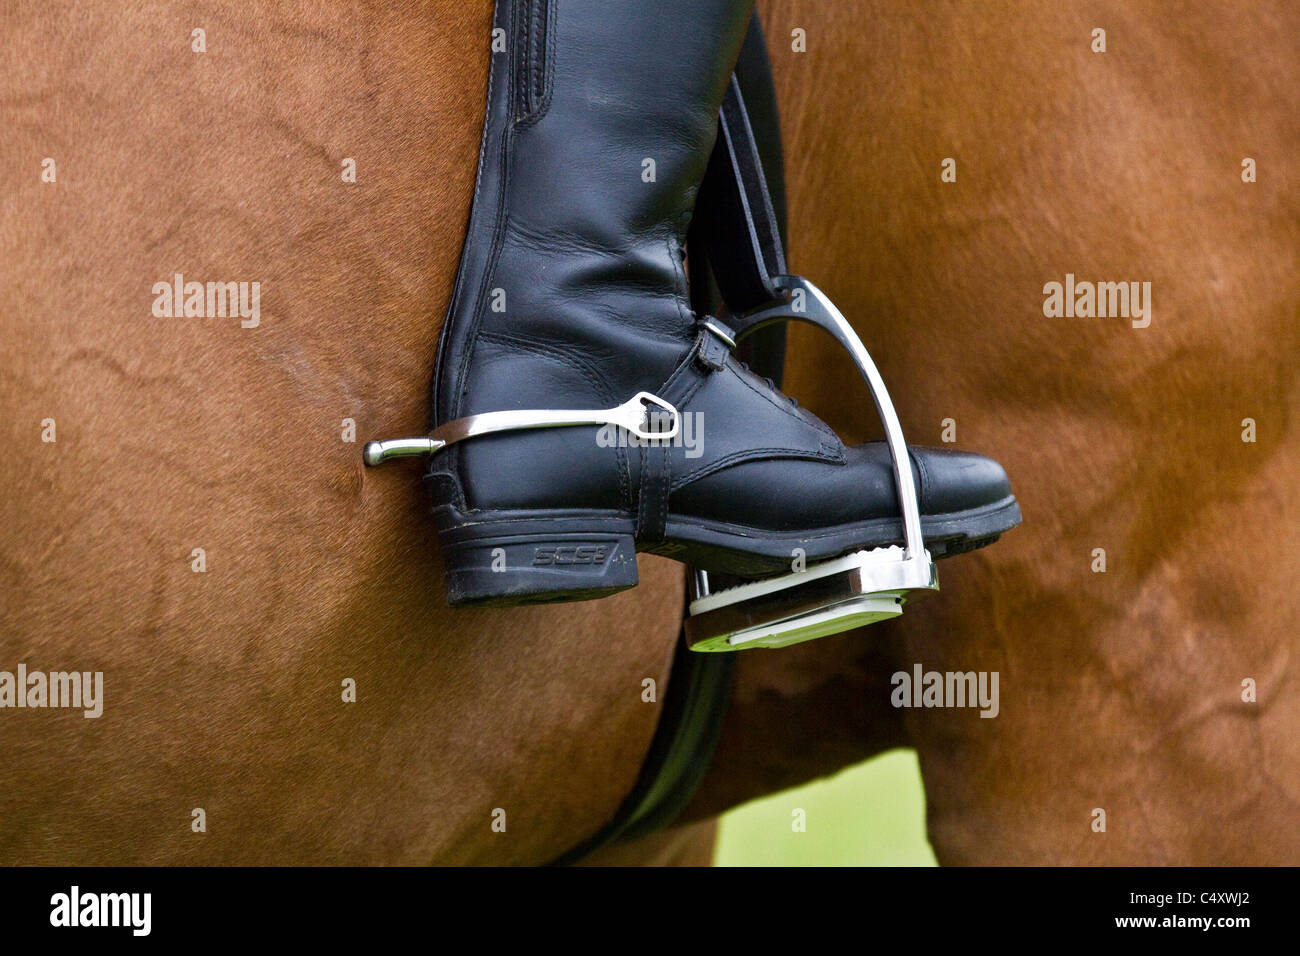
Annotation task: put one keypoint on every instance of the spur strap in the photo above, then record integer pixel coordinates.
(713, 344)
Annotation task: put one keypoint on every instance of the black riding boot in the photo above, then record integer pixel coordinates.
(571, 295)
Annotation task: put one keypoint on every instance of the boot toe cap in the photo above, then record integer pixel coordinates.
(954, 481)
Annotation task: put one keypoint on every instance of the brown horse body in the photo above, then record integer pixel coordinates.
(224, 688)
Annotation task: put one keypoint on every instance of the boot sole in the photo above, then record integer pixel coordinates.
(504, 559)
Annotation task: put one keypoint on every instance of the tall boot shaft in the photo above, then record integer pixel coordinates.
(626, 84)
(601, 118)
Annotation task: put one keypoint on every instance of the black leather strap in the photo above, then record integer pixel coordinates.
(735, 215)
(708, 356)
(714, 345)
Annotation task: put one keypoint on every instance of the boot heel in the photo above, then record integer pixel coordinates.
(509, 569)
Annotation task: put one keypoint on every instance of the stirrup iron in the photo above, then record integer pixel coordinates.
(831, 596)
